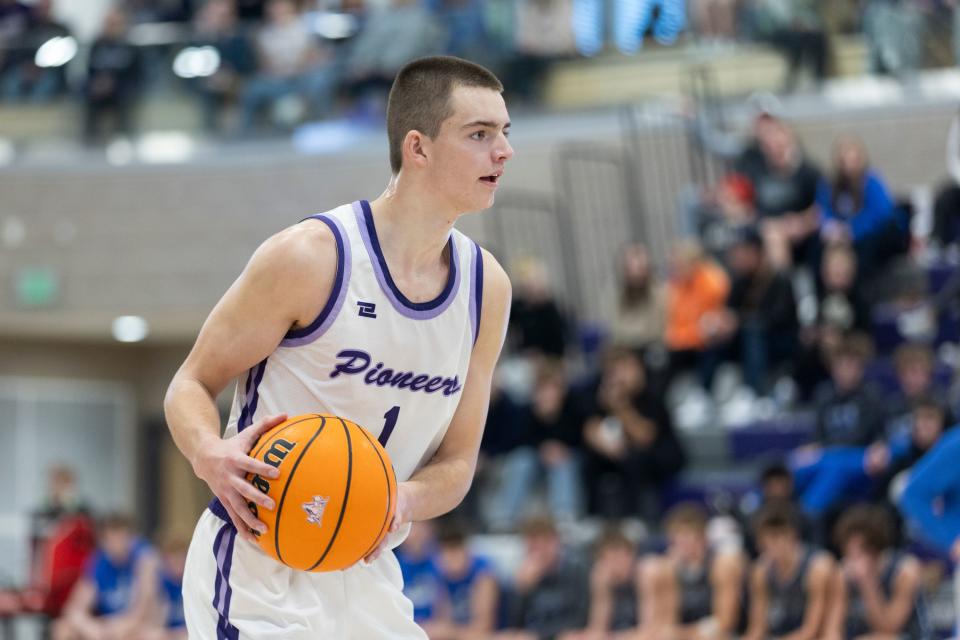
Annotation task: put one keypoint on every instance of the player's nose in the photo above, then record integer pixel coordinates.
(503, 150)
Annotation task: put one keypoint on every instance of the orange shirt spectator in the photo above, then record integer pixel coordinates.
(695, 294)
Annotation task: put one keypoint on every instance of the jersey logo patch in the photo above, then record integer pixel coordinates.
(315, 509)
(367, 309)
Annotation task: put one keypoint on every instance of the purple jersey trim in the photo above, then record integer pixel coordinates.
(306, 335)
(476, 293)
(222, 591)
(254, 378)
(414, 310)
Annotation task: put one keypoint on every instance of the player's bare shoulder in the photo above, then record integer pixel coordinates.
(497, 296)
(496, 283)
(299, 266)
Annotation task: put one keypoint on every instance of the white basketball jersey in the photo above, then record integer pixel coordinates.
(395, 367)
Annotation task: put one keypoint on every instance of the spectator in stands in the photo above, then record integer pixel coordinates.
(785, 184)
(946, 208)
(118, 593)
(840, 475)
(877, 591)
(550, 443)
(393, 35)
(544, 34)
(613, 591)
(469, 591)
(538, 326)
(632, 450)
(20, 77)
(696, 292)
(216, 26)
(928, 421)
(113, 79)
(63, 500)
(796, 29)
(421, 578)
(856, 206)
(790, 582)
(849, 412)
(931, 501)
(693, 592)
(841, 310)
(292, 67)
(636, 307)
(548, 587)
(501, 435)
(760, 323)
(173, 555)
(914, 365)
(726, 213)
(776, 485)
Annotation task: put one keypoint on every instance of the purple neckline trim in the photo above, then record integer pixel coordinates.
(386, 283)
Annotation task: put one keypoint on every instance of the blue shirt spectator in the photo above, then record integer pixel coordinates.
(857, 203)
(114, 579)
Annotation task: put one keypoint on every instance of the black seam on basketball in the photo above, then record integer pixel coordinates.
(389, 496)
(283, 496)
(346, 496)
(254, 454)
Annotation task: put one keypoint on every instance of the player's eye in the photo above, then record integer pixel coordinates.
(478, 135)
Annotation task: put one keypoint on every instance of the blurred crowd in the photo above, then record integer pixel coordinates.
(263, 65)
(804, 298)
(94, 576)
(255, 66)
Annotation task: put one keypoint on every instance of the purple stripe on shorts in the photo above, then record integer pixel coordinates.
(476, 292)
(223, 592)
(413, 310)
(328, 314)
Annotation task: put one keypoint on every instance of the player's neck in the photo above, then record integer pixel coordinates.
(413, 231)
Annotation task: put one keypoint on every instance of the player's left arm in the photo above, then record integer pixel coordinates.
(441, 484)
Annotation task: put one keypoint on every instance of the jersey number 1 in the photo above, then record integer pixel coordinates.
(390, 421)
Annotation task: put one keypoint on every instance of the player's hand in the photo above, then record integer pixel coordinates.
(223, 464)
(401, 516)
(955, 551)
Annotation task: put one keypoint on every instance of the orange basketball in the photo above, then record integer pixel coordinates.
(335, 495)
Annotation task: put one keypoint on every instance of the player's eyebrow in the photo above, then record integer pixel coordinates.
(490, 124)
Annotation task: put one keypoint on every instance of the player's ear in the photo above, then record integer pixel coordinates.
(415, 148)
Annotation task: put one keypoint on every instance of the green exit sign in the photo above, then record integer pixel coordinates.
(36, 287)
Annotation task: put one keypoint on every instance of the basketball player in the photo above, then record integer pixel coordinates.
(790, 582)
(693, 592)
(379, 312)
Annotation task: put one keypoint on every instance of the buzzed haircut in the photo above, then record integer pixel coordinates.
(420, 97)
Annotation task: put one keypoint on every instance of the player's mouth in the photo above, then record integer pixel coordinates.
(493, 179)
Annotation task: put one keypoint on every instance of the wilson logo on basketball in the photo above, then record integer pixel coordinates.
(315, 509)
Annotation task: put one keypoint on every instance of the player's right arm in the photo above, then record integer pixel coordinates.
(285, 285)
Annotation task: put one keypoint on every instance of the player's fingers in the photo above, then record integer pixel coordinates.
(256, 467)
(252, 494)
(238, 524)
(252, 433)
(241, 509)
